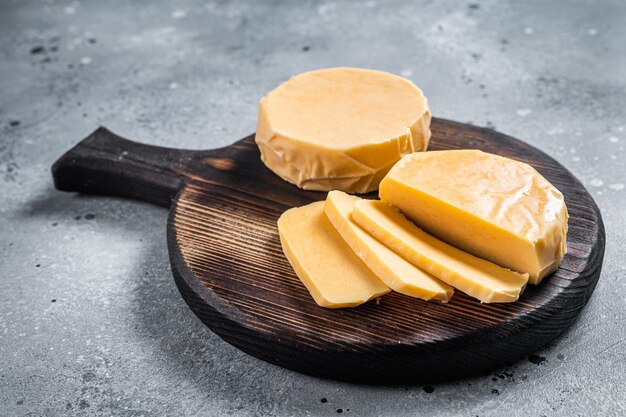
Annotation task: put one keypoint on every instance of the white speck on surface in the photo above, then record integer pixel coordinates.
(572, 150)
(595, 158)
(556, 130)
(326, 10)
(407, 72)
(613, 139)
(618, 186)
(596, 182)
(593, 32)
(524, 112)
(179, 14)
(173, 86)
(71, 9)
(85, 60)
(136, 39)
(370, 3)
(529, 31)
(613, 156)
(576, 158)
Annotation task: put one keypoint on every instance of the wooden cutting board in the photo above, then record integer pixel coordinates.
(229, 267)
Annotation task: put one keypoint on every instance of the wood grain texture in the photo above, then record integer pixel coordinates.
(229, 267)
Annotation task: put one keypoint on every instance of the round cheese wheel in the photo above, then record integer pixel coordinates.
(341, 128)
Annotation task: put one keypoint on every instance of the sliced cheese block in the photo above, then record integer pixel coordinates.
(325, 264)
(476, 277)
(341, 128)
(391, 268)
(494, 207)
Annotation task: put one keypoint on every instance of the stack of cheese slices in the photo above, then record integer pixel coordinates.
(461, 219)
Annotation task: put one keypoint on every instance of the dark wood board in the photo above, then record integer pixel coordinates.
(231, 271)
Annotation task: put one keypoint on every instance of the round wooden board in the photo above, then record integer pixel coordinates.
(229, 266)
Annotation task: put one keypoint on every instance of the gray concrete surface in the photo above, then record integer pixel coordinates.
(91, 322)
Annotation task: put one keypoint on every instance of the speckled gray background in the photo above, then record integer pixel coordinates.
(91, 322)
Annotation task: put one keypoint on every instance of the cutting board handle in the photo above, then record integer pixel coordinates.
(107, 164)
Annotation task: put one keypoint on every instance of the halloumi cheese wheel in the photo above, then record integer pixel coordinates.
(341, 128)
(494, 207)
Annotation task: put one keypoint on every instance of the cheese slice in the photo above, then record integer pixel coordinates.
(341, 128)
(325, 264)
(391, 268)
(493, 207)
(476, 277)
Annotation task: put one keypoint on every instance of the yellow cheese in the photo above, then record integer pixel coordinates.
(341, 128)
(287, 170)
(325, 264)
(476, 277)
(391, 268)
(494, 207)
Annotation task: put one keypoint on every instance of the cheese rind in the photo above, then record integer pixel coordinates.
(476, 277)
(395, 272)
(325, 264)
(491, 206)
(341, 128)
(291, 173)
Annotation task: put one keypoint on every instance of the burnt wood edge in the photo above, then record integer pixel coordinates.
(391, 365)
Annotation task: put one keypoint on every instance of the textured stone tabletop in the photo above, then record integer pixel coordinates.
(91, 322)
